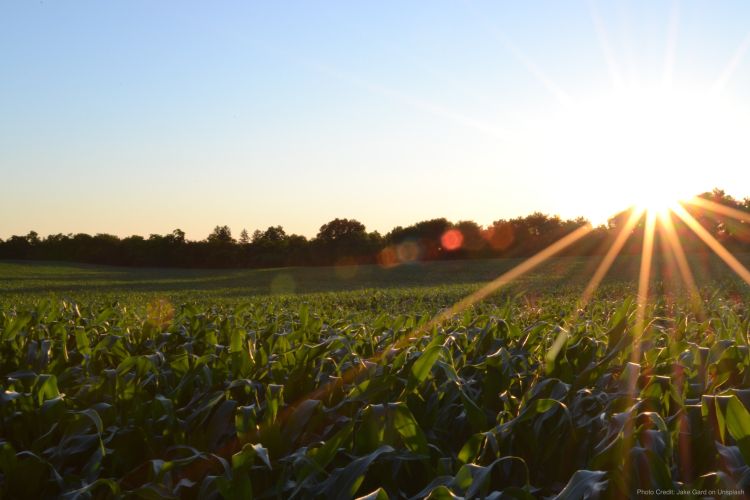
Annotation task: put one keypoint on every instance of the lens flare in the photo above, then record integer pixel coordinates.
(452, 239)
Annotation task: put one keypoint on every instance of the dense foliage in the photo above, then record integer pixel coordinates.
(346, 241)
(341, 395)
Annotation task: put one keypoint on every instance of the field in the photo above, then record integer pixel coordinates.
(334, 383)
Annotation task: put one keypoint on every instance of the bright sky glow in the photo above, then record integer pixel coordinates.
(143, 117)
(648, 147)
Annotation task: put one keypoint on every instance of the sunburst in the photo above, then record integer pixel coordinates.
(656, 141)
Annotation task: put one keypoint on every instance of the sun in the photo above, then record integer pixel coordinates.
(656, 199)
(648, 147)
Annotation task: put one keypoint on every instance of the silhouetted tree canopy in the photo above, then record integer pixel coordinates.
(339, 230)
(221, 234)
(347, 241)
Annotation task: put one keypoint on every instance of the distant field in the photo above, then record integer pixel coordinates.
(28, 280)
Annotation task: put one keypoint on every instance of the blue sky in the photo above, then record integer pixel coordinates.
(141, 117)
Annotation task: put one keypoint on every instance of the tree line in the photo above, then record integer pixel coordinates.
(347, 241)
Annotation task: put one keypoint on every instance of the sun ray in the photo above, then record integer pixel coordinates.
(673, 241)
(642, 302)
(601, 33)
(461, 305)
(536, 260)
(347, 376)
(513, 274)
(674, 247)
(668, 269)
(728, 71)
(643, 283)
(350, 374)
(713, 243)
(719, 208)
(631, 70)
(561, 95)
(738, 227)
(414, 102)
(609, 258)
(593, 284)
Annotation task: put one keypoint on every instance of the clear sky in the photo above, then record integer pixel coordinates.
(141, 117)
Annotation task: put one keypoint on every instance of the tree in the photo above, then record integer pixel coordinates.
(425, 235)
(221, 234)
(339, 230)
(274, 234)
(342, 240)
(33, 237)
(500, 236)
(471, 233)
(244, 237)
(178, 236)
